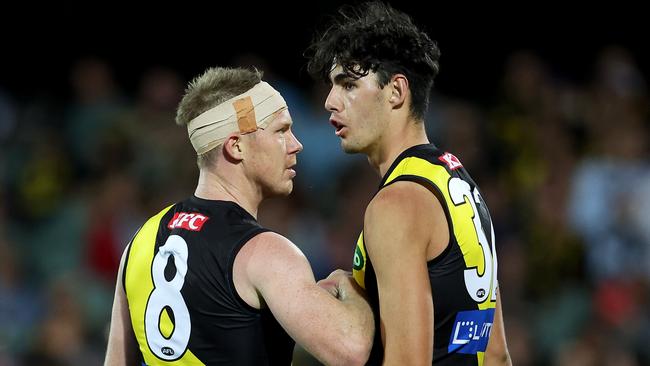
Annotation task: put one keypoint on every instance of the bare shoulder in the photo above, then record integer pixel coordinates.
(401, 201)
(270, 245)
(405, 212)
(270, 252)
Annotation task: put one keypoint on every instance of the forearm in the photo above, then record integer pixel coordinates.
(345, 335)
(497, 359)
(122, 348)
(402, 347)
(497, 353)
(350, 316)
(360, 322)
(328, 326)
(357, 316)
(407, 318)
(120, 351)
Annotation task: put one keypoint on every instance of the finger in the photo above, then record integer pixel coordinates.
(330, 286)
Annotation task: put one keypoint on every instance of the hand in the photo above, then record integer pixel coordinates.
(340, 284)
(330, 286)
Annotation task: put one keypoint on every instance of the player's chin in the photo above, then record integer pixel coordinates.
(285, 189)
(289, 187)
(350, 147)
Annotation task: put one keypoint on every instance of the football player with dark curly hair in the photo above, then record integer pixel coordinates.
(426, 255)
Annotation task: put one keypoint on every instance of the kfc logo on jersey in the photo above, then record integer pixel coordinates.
(188, 221)
(451, 161)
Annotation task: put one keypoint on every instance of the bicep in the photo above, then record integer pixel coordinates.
(309, 314)
(497, 349)
(122, 346)
(406, 310)
(397, 238)
(290, 291)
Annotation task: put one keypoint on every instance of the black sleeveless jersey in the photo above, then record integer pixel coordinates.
(464, 276)
(178, 278)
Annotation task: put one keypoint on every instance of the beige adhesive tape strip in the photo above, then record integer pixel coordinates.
(243, 113)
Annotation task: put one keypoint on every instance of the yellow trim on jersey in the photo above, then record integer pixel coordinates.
(139, 286)
(480, 357)
(461, 215)
(359, 265)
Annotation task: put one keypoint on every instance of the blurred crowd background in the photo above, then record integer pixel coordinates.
(558, 143)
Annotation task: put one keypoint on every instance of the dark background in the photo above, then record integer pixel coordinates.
(561, 154)
(43, 42)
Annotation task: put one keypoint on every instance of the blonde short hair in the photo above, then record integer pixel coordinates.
(206, 91)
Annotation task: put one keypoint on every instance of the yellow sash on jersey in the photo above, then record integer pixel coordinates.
(139, 286)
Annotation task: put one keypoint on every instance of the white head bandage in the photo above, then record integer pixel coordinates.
(243, 113)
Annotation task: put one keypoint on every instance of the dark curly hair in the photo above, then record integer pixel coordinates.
(375, 37)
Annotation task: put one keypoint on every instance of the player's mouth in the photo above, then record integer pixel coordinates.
(340, 128)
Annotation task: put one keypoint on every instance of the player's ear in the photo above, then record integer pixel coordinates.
(233, 148)
(399, 87)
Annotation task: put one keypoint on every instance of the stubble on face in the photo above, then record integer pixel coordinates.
(368, 125)
(271, 165)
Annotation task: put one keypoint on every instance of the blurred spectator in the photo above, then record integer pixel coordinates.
(564, 167)
(19, 304)
(609, 182)
(113, 218)
(96, 106)
(159, 152)
(464, 127)
(61, 338)
(357, 186)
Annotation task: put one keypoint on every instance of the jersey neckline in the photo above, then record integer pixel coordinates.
(401, 156)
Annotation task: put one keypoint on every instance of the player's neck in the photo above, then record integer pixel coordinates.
(395, 141)
(215, 186)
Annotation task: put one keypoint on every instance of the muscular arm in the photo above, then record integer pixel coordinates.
(496, 353)
(402, 223)
(122, 346)
(336, 331)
